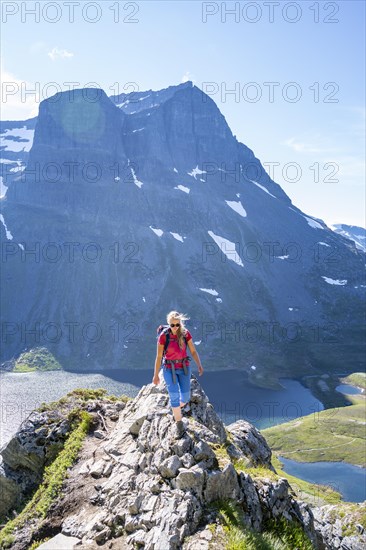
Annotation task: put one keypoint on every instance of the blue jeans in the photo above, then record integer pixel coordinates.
(181, 391)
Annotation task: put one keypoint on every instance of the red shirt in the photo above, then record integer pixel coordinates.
(173, 350)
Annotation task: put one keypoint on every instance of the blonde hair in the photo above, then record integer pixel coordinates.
(182, 329)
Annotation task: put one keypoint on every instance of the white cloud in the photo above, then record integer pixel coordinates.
(302, 147)
(56, 53)
(188, 76)
(13, 105)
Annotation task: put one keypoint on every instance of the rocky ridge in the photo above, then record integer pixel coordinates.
(135, 485)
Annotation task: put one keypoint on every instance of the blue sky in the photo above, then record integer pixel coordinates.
(318, 138)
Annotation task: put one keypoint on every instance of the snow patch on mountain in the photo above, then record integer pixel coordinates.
(9, 236)
(177, 236)
(182, 188)
(334, 281)
(237, 207)
(262, 187)
(158, 232)
(210, 291)
(10, 139)
(227, 247)
(313, 223)
(196, 171)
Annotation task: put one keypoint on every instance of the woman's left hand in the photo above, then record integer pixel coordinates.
(200, 370)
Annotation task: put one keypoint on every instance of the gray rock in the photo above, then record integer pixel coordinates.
(169, 467)
(187, 460)
(98, 468)
(222, 484)
(251, 442)
(329, 528)
(60, 542)
(24, 457)
(202, 451)
(191, 480)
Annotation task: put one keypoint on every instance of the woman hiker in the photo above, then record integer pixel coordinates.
(176, 375)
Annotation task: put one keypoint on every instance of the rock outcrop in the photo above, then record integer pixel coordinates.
(338, 526)
(136, 485)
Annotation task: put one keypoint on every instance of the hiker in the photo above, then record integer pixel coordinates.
(176, 368)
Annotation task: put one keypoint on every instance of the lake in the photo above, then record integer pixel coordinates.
(348, 389)
(347, 479)
(229, 392)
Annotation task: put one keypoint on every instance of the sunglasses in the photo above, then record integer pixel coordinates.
(175, 325)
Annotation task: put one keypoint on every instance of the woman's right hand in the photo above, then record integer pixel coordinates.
(156, 379)
(200, 370)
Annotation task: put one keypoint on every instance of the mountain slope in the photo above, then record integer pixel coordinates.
(132, 213)
(353, 233)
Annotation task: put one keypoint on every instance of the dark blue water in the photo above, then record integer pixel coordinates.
(347, 479)
(228, 391)
(234, 397)
(348, 389)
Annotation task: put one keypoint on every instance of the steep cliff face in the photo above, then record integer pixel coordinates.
(134, 205)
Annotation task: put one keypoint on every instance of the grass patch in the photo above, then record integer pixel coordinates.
(36, 359)
(37, 543)
(337, 435)
(83, 395)
(254, 472)
(221, 453)
(278, 534)
(53, 478)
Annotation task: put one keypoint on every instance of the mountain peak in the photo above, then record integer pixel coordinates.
(136, 101)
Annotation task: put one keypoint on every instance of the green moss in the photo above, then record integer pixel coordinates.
(36, 359)
(53, 478)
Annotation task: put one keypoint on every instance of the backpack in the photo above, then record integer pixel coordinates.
(166, 330)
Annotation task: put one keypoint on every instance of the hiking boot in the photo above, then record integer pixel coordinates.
(180, 429)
